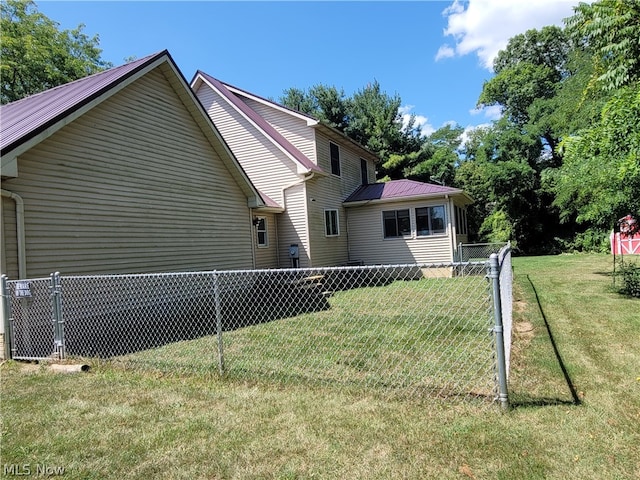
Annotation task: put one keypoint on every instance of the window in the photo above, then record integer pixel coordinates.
(261, 232)
(331, 223)
(364, 174)
(396, 223)
(335, 159)
(430, 220)
(461, 221)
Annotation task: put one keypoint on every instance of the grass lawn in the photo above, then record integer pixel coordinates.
(574, 387)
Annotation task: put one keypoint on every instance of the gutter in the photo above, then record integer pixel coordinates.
(22, 255)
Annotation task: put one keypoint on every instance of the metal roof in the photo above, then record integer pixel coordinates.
(398, 190)
(25, 118)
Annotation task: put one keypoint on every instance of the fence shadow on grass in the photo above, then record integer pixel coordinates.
(141, 328)
(546, 401)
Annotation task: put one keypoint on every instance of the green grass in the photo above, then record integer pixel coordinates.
(135, 423)
(405, 338)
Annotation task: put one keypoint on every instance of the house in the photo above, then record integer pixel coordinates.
(122, 171)
(331, 211)
(403, 221)
(305, 167)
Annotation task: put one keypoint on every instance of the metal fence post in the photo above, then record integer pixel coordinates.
(6, 318)
(58, 321)
(494, 275)
(216, 296)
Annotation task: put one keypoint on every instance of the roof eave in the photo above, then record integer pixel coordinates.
(426, 196)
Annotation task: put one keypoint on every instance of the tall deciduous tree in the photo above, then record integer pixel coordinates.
(499, 172)
(37, 56)
(599, 181)
(610, 29)
(529, 74)
(434, 160)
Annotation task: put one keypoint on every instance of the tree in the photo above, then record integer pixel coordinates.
(600, 178)
(327, 104)
(530, 71)
(375, 121)
(370, 117)
(610, 30)
(599, 181)
(300, 101)
(500, 170)
(529, 68)
(434, 160)
(37, 56)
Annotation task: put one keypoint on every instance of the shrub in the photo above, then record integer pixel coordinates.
(630, 274)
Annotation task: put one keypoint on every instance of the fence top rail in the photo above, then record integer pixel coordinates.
(345, 268)
(502, 244)
(10, 281)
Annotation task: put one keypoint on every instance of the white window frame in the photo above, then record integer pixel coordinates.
(430, 231)
(397, 224)
(330, 223)
(262, 222)
(339, 164)
(461, 220)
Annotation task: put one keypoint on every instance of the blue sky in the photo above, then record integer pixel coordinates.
(434, 54)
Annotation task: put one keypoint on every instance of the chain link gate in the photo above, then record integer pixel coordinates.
(34, 326)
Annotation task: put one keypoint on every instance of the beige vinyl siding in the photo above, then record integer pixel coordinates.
(326, 193)
(292, 226)
(132, 186)
(367, 242)
(350, 177)
(291, 127)
(267, 257)
(266, 165)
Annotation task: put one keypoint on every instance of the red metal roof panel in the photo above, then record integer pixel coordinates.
(397, 189)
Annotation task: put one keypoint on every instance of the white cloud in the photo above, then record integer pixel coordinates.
(484, 27)
(420, 121)
(445, 51)
(492, 112)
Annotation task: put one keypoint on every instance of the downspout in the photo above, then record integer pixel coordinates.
(22, 255)
(291, 185)
(252, 229)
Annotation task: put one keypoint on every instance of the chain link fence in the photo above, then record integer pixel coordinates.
(408, 330)
(478, 252)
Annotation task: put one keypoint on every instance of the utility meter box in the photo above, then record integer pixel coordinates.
(294, 255)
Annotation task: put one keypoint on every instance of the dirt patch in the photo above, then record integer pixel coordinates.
(523, 327)
(519, 306)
